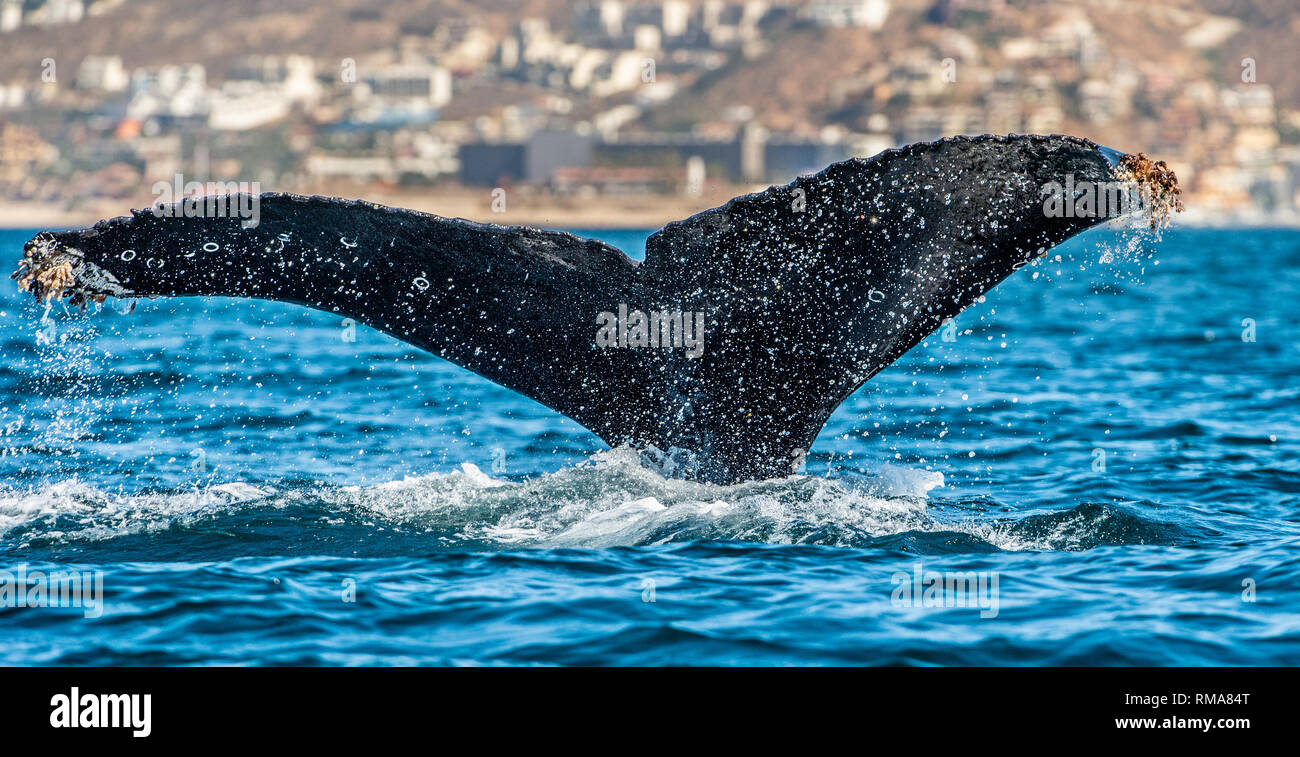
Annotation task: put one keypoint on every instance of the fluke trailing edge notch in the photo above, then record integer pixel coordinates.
(805, 294)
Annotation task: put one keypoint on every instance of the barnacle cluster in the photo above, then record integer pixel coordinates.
(1158, 184)
(48, 271)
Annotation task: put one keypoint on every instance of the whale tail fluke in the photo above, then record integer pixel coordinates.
(736, 338)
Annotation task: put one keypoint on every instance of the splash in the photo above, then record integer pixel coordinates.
(611, 500)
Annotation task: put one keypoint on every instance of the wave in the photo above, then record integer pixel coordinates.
(612, 500)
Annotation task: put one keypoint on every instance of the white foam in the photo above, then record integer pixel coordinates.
(86, 512)
(610, 500)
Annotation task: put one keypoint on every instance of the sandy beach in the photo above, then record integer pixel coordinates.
(522, 207)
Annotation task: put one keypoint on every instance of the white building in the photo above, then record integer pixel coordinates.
(104, 73)
(243, 105)
(866, 13)
(411, 86)
(57, 12)
(173, 90)
(11, 15)
(261, 90)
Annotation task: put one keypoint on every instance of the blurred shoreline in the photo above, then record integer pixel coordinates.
(623, 113)
(632, 212)
(523, 207)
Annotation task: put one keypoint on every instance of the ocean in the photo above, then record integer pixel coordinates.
(1097, 465)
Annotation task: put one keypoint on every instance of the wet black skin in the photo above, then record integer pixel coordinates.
(809, 289)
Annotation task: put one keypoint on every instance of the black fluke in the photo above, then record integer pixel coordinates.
(734, 341)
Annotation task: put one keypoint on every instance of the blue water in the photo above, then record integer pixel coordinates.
(259, 483)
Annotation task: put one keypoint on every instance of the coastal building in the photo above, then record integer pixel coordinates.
(870, 14)
(11, 15)
(174, 90)
(102, 73)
